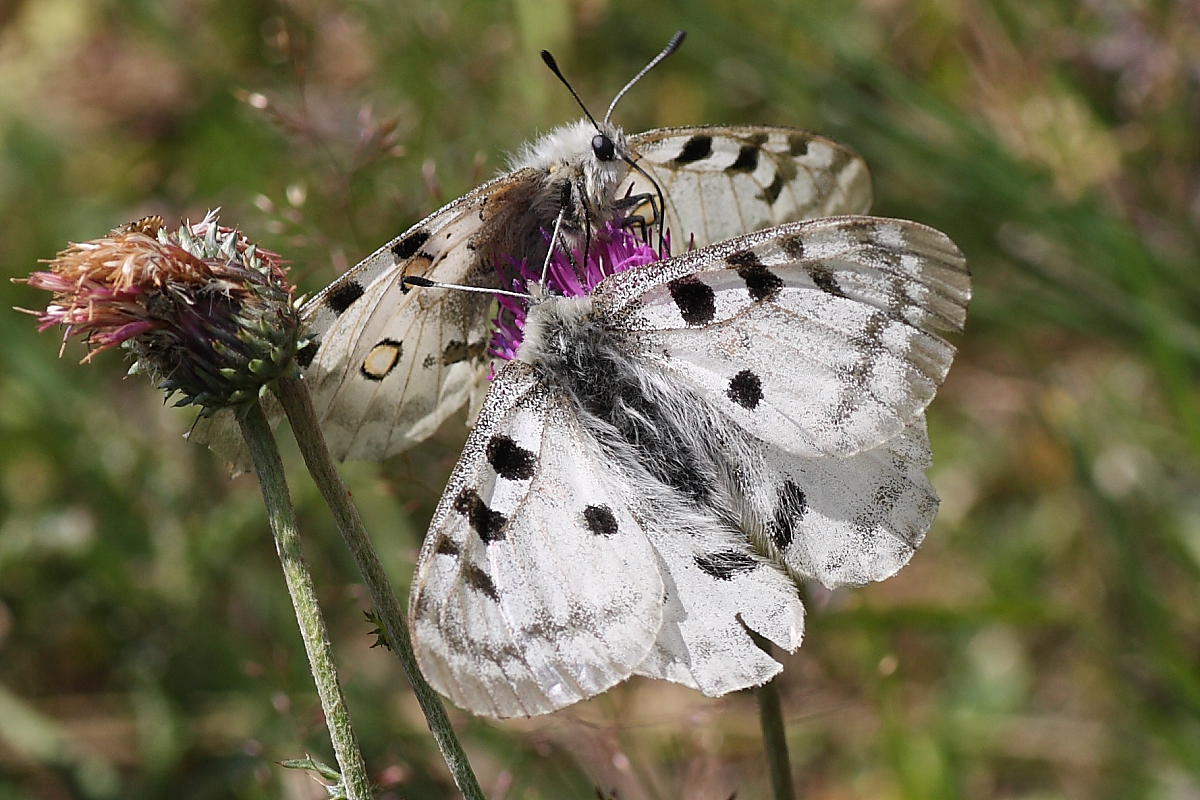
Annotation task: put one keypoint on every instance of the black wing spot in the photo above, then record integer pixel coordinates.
(600, 520)
(446, 547)
(745, 389)
(696, 148)
(823, 278)
(725, 565)
(409, 245)
(429, 361)
(760, 281)
(455, 351)
(488, 524)
(344, 296)
(793, 246)
(307, 353)
(771, 193)
(746, 161)
(509, 459)
(381, 360)
(791, 505)
(696, 300)
(797, 145)
(743, 258)
(478, 580)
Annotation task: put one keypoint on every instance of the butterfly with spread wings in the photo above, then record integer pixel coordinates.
(387, 365)
(667, 455)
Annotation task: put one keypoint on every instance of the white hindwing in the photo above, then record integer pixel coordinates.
(844, 521)
(728, 180)
(814, 336)
(718, 585)
(536, 586)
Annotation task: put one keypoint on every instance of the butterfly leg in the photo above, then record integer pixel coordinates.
(553, 243)
(638, 222)
(633, 202)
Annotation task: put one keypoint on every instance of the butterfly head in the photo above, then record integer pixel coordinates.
(582, 165)
(595, 166)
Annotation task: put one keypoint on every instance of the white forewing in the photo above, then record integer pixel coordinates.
(817, 337)
(536, 586)
(386, 365)
(728, 180)
(397, 362)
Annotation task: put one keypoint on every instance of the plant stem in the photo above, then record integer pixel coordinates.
(770, 714)
(282, 517)
(297, 404)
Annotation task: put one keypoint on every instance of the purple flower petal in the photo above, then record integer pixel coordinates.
(612, 249)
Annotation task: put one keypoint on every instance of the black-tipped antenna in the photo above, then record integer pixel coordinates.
(425, 283)
(553, 65)
(671, 47)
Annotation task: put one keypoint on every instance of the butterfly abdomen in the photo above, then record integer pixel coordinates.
(663, 433)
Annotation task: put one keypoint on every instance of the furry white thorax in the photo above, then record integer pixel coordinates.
(549, 314)
(565, 153)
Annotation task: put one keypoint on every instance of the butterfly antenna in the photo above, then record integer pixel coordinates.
(671, 47)
(425, 283)
(553, 65)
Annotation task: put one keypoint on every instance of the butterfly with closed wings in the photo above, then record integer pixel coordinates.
(673, 447)
(386, 364)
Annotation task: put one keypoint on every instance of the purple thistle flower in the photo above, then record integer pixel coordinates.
(613, 249)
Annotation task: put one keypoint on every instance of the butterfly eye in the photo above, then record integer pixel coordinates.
(603, 147)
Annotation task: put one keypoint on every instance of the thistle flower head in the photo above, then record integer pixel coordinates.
(614, 248)
(201, 309)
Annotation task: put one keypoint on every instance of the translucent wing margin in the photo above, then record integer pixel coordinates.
(817, 337)
(727, 180)
(536, 586)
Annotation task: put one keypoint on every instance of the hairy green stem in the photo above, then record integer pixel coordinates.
(282, 517)
(297, 404)
(770, 715)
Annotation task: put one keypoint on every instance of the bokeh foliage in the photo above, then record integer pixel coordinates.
(1044, 643)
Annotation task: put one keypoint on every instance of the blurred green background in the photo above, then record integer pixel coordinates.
(1044, 643)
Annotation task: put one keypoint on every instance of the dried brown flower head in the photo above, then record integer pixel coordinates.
(201, 309)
